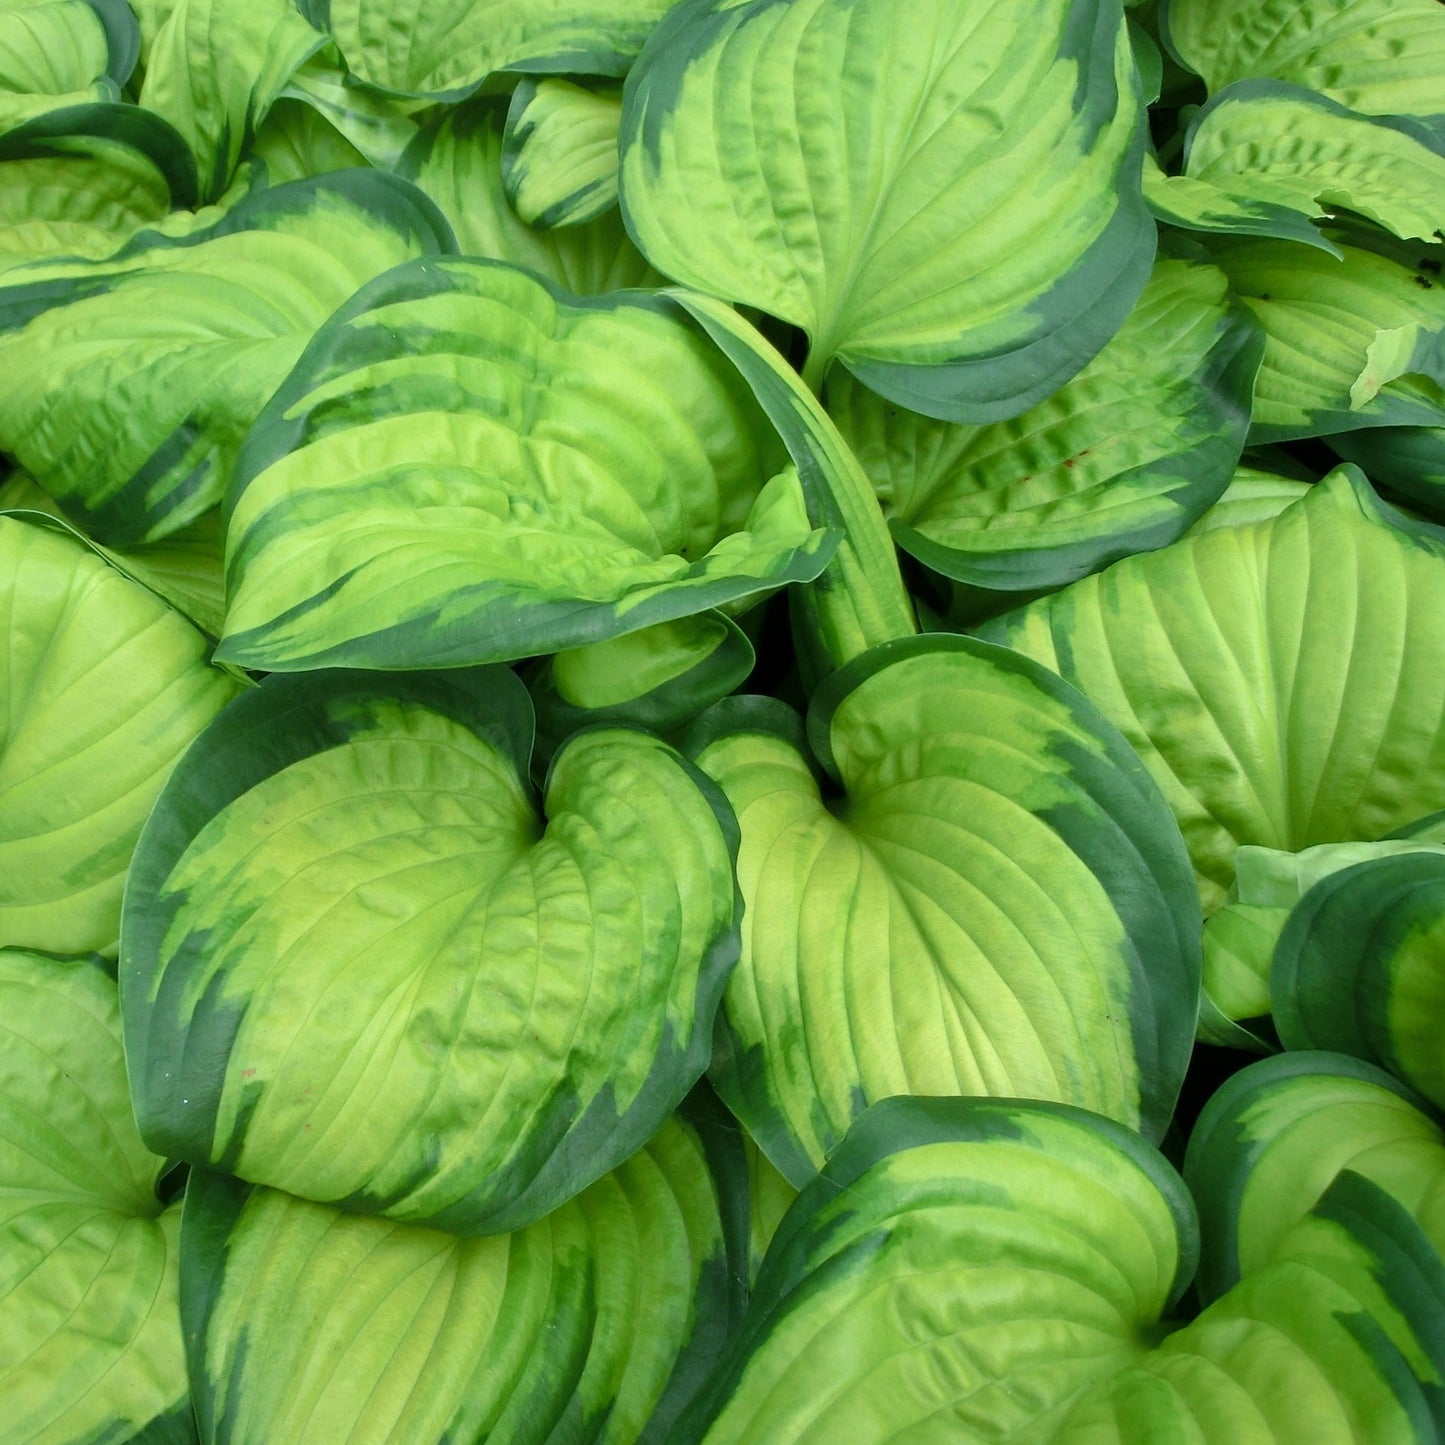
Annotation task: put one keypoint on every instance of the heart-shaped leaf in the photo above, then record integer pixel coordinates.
(944, 197)
(469, 466)
(361, 963)
(986, 897)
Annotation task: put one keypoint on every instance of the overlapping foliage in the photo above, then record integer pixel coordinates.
(662, 661)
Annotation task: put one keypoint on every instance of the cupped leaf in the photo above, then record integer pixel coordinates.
(1339, 1339)
(91, 1346)
(296, 142)
(1288, 142)
(214, 70)
(103, 689)
(959, 1272)
(82, 181)
(457, 160)
(380, 127)
(997, 1272)
(559, 160)
(444, 49)
(361, 963)
(1360, 966)
(127, 385)
(1409, 460)
(1239, 940)
(1278, 1134)
(57, 53)
(1380, 57)
(945, 197)
(1238, 206)
(988, 896)
(1283, 681)
(1350, 343)
(1122, 459)
(593, 1324)
(660, 678)
(469, 466)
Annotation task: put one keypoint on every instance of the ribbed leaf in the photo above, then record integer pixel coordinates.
(296, 142)
(56, 53)
(104, 687)
(988, 898)
(959, 1272)
(1381, 57)
(457, 160)
(214, 70)
(379, 126)
(1350, 343)
(1232, 206)
(470, 466)
(1284, 681)
(1288, 142)
(81, 182)
(91, 1344)
(1239, 940)
(185, 570)
(593, 1324)
(1120, 460)
(1360, 967)
(1276, 1136)
(1252, 496)
(970, 1271)
(944, 196)
(360, 962)
(127, 385)
(560, 161)
(444, 49)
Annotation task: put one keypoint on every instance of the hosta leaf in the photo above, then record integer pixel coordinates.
(1252, 496)
(660, 678)
(103, 689)
(296, 142)
(457, 160)
(1277, 1134)
(945, 197)
(57, 53)
(988, 898)
(1328, 326)
(185, 570)
(1284, 681)
(1409, 460)
(1288, 142)
(444, 49)
(470, 466)
(214, 70)
(1240, 206)
(360, 962)
(81, 182)
(996, 1272)
(559, 160)
(961, 1269)
(127, 385)
(379, 126)
(91, 1348)
(1360, 967)
(593, 1324)
(1239, 940)
(1120, 460)
(1339, 1340)
(1381, 57)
